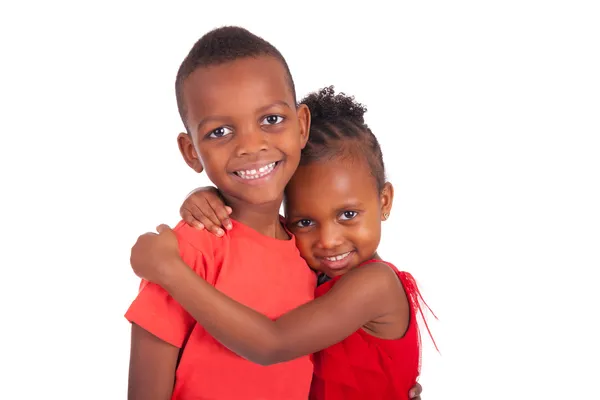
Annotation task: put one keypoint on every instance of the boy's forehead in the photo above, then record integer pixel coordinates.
(240, 85)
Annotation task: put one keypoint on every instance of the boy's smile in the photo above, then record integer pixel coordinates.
(257, 173)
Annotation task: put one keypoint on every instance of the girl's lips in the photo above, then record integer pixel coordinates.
(338, 262)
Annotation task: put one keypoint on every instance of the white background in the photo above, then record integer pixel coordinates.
(489, 116)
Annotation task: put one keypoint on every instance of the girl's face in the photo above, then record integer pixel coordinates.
(335, 211)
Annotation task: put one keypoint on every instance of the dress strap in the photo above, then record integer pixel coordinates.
(416, 299)
(413, 293)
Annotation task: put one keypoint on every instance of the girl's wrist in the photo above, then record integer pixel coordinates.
(172, 273)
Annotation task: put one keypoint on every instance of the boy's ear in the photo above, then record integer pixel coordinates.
(386, 198)
(304, 121)
(188, 151)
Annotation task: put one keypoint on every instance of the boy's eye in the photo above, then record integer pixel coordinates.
(219, 132)
(304, 223)
(346, 215)
(272, 120)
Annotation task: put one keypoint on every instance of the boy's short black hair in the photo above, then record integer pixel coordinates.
(338, 130)
(220, 46)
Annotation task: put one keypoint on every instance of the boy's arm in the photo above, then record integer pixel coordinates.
(152, 366)
(160, 327)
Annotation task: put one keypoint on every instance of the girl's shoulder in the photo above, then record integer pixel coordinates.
(377, 278)
(373, 272)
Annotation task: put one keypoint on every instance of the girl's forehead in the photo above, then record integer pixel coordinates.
(331, 183)
(341, 173)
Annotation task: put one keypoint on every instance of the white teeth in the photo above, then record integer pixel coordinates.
(255, 174)
(338, 257)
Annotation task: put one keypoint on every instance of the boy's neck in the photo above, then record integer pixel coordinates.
(263, 218)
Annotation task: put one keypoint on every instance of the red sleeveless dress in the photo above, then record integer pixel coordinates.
(363, 367)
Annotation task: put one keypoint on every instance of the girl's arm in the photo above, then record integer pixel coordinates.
(360, 296)
(152, 366)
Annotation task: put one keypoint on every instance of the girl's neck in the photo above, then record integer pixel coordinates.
(263, 218)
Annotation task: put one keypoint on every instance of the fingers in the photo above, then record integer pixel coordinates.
(205, 209)
(215, 223)
(202, 216)
(189, 218)
(221, 211)
(163, 228)
(415, 392)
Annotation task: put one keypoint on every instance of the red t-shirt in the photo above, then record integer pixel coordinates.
(260, 272)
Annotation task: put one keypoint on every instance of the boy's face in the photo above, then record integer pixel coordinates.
(245, 129)
(335, 211)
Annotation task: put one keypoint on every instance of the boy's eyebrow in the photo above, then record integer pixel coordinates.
(262, 109)
(208, 119)
(277, 103)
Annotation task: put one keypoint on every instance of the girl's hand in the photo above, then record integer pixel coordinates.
(415, 392)
(204, 209)
(154, 255)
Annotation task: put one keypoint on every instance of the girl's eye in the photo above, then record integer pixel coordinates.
(304, 223)
(272, 120)
(220, 132)
(346, 215)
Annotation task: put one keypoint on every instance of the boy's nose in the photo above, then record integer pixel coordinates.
(251, 141)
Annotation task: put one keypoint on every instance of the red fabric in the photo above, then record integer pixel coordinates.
(365, 367)
(263, 273)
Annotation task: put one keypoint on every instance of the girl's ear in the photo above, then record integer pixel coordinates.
(386, 198)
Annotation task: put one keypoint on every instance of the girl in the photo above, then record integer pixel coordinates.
(362, 323)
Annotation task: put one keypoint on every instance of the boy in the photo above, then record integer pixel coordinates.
(237, 100)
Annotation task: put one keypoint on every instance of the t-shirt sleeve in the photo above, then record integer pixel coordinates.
(156, 311)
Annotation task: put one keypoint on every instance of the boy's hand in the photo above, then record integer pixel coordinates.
(154, 255)
(204, 209)
(415, 392)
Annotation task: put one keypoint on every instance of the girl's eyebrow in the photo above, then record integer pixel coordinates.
(350, 205)
(297, 216)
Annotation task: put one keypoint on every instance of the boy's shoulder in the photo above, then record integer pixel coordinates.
(201, 240)
(240, 239)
